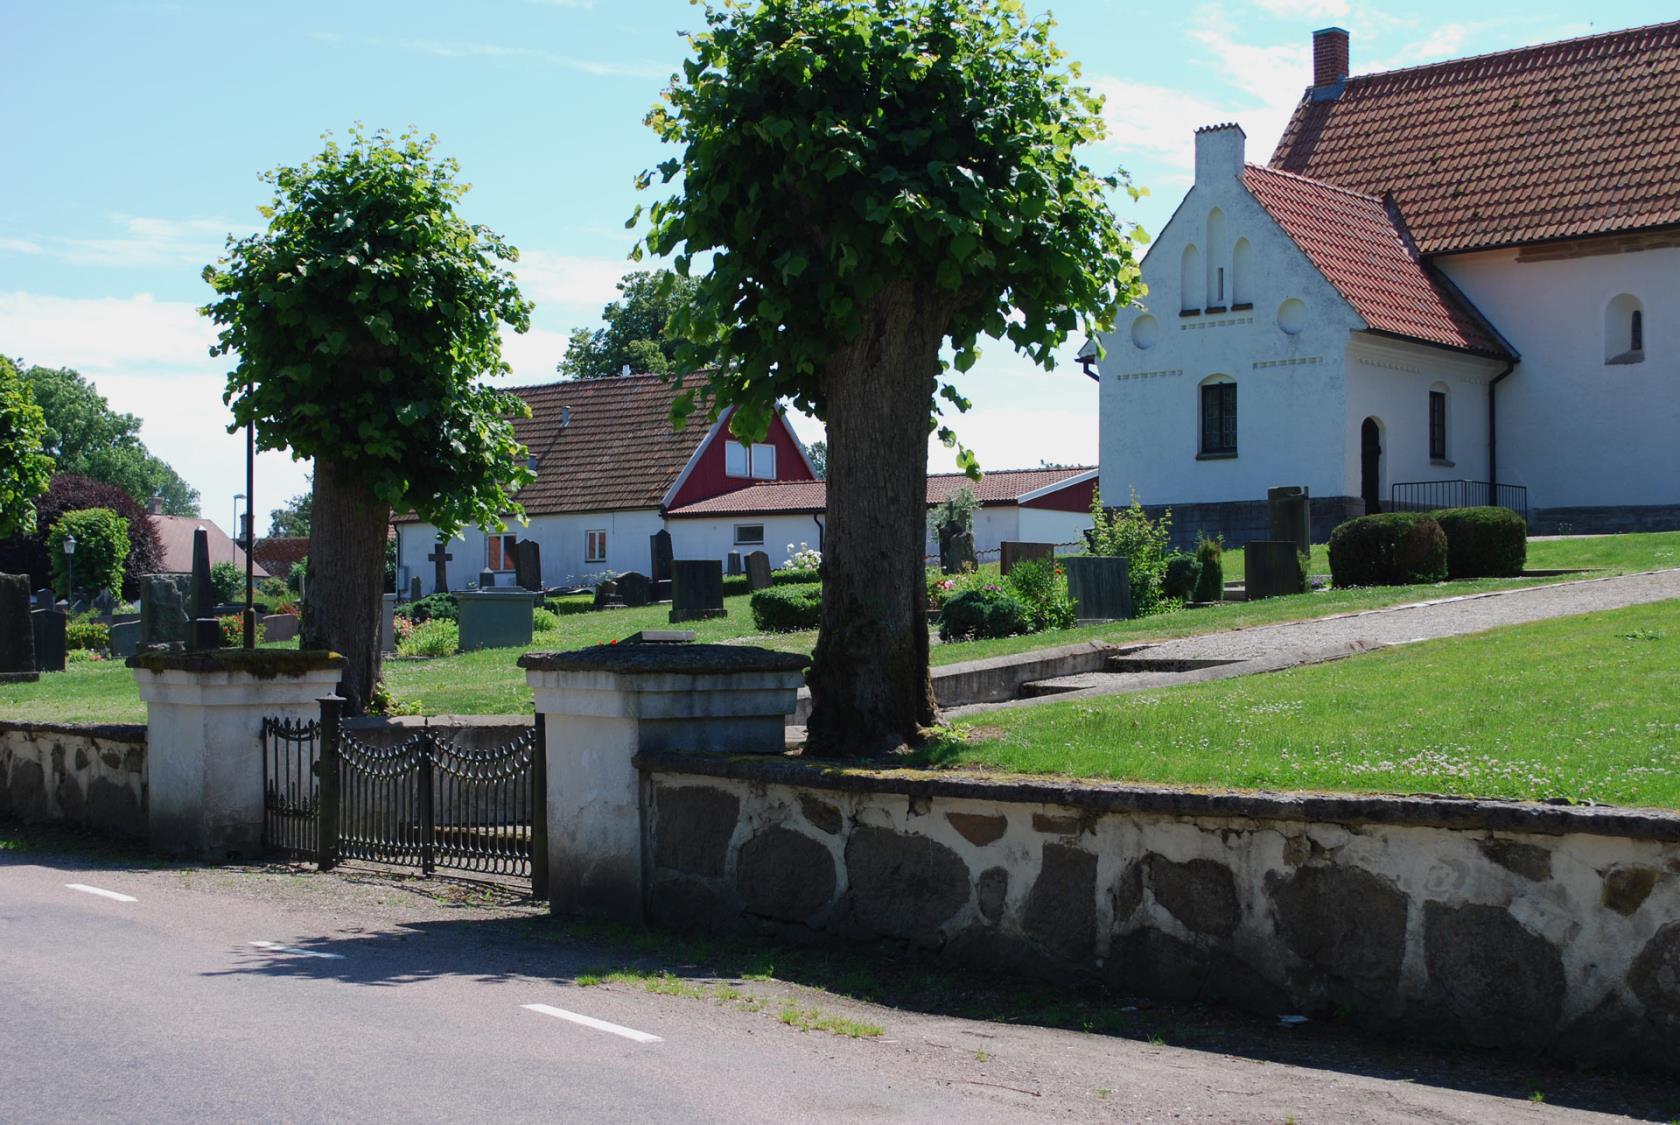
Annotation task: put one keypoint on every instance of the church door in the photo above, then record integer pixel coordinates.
(1370, 466)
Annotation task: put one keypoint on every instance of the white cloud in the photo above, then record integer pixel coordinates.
(138, 241)
(532, 356)
(19, 246)
(579, 285)
(1305, 9)
(105, 334)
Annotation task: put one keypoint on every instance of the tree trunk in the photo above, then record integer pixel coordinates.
(345, 578)
(870, 691)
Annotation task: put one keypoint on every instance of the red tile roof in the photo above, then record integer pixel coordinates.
(998, 487)
(277, 553)
(1554, 141)
(175, 536)
(1353, 241)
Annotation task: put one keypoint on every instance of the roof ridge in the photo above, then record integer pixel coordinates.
(1513, 51)
(1325, 184)
(603, 379)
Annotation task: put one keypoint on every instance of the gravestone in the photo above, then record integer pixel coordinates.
(732, 564)
(387, 623)
(206, 630)
(495, 618)
(414, 588)
(44, 599)
(486, 580)
(17, 632)
(1270, 568)
(1011, 551)
(956, 554)
(696, 589)
(105, 603)
(1100, 586)
(607, 595)
(439, 559)
(1289, 515)
(635, 589)
(164, 610)
(527, 565)
(125, 639)
(660, 544)
(77, 607)
(48, 626)
(758, 571)
(280, 627)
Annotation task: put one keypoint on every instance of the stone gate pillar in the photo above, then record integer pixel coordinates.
(204, 714)
(601, 707)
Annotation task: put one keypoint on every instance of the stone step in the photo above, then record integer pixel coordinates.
(1135, 664)
(1038, 689)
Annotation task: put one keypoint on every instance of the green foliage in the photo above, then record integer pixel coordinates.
(840, 154)
(636, 329)
(232, 626)
(363, 318)
(983, 611)
(783, 608)
(291, 519)
(1210, 580)
(817, 451)
(275, 591)
(953, 515)
(295, 576)
(734, 584)
(86, 437)
(1483, 542)
(101, 549)
(1391, 549)
(440, 607)
(1129, 533)
(25, 471)
(1042, 588)
(1183, 571)
(436, 637)
(228, 581)
(544, 620)
(92, 635)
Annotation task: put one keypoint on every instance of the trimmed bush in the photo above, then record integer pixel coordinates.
(432, 607)
(544, 620)
(983, 611)
(783, 608)
(101, 550)
(228, 581)
(1392, 549)
(1181, 575)
(1042, 588)
(87, 635)
(737, 584)
(1210, 581)
(1483, 542)
(436, 637)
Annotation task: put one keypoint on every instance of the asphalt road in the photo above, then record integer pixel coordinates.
(240, 994)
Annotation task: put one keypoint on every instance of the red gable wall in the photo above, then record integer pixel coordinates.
(708, 478)
(1073, 498)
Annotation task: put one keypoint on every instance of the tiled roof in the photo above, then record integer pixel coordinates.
(175, 536)
(1555, 141)
(277, 554)
(1000, 486)
(1354, 242)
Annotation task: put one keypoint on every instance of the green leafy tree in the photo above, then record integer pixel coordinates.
(636, 332)
(817, 451)
(85, 436)
(1129, 533)
(228, 581)
(25, 471)
(291, 519)
(364, 317)
(101, 549)
(872, 179)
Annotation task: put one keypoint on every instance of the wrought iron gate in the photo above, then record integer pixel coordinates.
(423, 802)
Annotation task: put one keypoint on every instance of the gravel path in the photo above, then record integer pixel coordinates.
(1268, 648)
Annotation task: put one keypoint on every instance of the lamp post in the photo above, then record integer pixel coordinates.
(70, 565)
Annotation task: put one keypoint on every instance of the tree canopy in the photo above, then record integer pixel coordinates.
(291, 519)
(636, 331)
(70, 492)
(25, 470)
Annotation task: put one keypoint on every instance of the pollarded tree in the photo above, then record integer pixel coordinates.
(25, 471)
(363, 319)
(875, 178)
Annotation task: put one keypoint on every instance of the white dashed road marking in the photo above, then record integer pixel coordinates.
(591, 1021)
(276, 947)
(101, 892)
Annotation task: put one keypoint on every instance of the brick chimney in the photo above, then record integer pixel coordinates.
(1330, 61)
(154, 506)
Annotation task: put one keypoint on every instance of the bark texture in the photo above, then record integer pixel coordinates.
(345, 579)
(870, 690)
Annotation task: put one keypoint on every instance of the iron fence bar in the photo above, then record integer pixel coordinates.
(428, 809)
(538, 782)
(327, 768)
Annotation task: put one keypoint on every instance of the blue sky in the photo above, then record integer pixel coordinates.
(135, 132)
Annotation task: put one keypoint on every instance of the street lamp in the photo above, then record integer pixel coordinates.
(70, 564)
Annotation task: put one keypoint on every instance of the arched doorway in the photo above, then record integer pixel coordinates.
(1370, 465)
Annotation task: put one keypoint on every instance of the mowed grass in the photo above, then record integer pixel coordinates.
(1582, 708)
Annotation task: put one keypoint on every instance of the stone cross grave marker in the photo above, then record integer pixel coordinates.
(635, 589)
(758, 571)
(527, 565)
(696, 589)
(48, 626)
(440, 567)
(1100, 586)
(1011, 551)
(206, 630)
(17, 632)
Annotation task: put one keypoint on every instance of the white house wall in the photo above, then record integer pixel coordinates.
(1044, 525)
(1576, 431)
(560, 537)
(714, 537)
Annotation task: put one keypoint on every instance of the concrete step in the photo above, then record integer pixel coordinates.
(1135, 664)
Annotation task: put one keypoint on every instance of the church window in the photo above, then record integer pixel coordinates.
(1438, 424)
(1624, 330)
(1219, 418)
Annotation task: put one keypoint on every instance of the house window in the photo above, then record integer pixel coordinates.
(764, 462)
(1219, 419)
(757, 461)
(595, 546)
(500, 549)
(749, 535)
(1437, 425)
(735, 459)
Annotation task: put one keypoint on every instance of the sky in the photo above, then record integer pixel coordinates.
(135, 133)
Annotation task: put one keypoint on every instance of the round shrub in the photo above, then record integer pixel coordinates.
(1484, 542)
(438, 607)
(1210, 581)
(1392, 549)
(436, 637)
(984, 611)
(101, 549)
(229, 582)
(1180, 578)
(783, 608)
(87, 635)
(544, 620)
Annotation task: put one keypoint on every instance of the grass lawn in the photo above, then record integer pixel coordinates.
(1578, 707)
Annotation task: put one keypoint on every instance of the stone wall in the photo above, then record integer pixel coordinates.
(91, 776)
(1496, 924)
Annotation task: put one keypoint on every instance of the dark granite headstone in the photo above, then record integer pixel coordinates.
(1289, 515)
(387, 623)
(486, 580)
(206, 630)
(758, 571)
(607, 596)
(164, 610)
(660, 545)
(1011, 551)
(956, 554)
(49, 625)
(1100, 586)
(1270, 568)
(495, 618)
(17, 632)
(105, 603)
(280, 627)
(414, 594)
(527, 565)
(45, 599)
(696, 589)
(125, 639)
(732, 563)
(635, 589)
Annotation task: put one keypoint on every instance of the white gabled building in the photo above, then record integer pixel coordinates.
(1452, 283)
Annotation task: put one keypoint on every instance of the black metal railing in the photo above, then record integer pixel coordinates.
(291, 790)
(1429, 495)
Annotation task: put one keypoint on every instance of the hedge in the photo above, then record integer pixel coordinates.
(983, 612)
(735, 584)
(1484, 542)
(786, 607)
(1392, 549)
